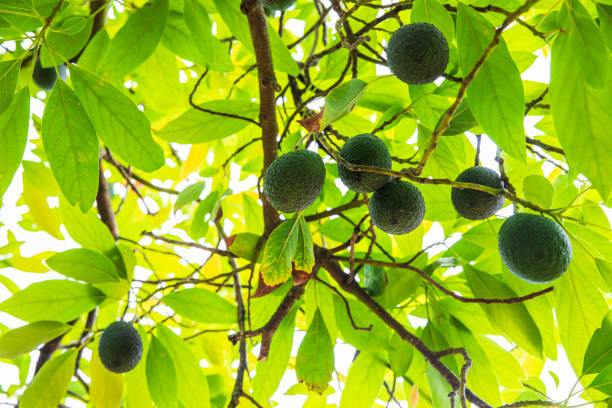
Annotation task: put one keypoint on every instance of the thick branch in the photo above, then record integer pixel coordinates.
(258, 26)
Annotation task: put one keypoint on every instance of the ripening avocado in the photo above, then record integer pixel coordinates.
(367, 150)
(120, 347)
(277, 4)
(417, 53)
(397, 208)
(473, 204)
(294, 180)
(534, 248)
(45, 77)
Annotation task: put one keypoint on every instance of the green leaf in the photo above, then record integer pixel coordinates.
(200, 27)
(538, 190)
(136, 394)
(341, 100)
(238, 25)
(203, 215)
(375, 280)
(589, 153)
(192, 385)
(51, 383)
(92, 56)
(71, 146)
(244, 245)
(432, 12)
(202, 306)
(60, 300)
(496, 93)
(195, 126)
(189, 194)
(462, 120)
(161, 375)
(136, 40)
(14, 123)
(304, 258)
(374, 339)
(314, 363)
(106, 387)
(269, 372)
(603, 382)
(279, 251)
(9, 72)
(579, 307)
(91, 233)
(27, 338)
(60, 46)
(605, 21)
(587, 43)
(598, 354)
(117, 120)
(511, 319)
(84, 265)
(365, 377)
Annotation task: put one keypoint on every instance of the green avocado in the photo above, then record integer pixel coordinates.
(120, 347)
(294, 180)
(397, 208)
(277, 4)
(534, 248)
(473, 204)
(417, 53)
(367, 150)
(45, 77)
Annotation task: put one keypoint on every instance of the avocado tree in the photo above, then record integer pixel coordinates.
(149, 259)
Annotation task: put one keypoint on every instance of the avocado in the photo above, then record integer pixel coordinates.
(367, 150)
(417, 53)
(473, 204)
(45, 77)
(397, 208)
(294, 180)
(534, 248)
(120, 347)
(277, 4)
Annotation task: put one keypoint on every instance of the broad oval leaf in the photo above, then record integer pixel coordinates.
(200, 27)
(9, 72)
(538, 190)
(341, 101)
(432, 12)
(51, 383)
(202, 306)
(60, 300)
(14, 123)
(192, 385)
(603, 382)
(27, 338)
(84, 265)
(304, 258)
(496, 93)
(365, 377)
(279, 251)
(161, 375)
(598, 354)
(314, 363)
(71, 146)
(136, 40)
(118, 122)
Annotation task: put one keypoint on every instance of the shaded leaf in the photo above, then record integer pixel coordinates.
(60, 300)
(14, 123)
(538, 190)
(9, 72)
(598, 354)
(27, 338)
(603, 382)
(304, 258)
(432, 12)
(200, 27)
(51, 383)
(71, 145)
(117, 120)
(201, 305)
(341, 100)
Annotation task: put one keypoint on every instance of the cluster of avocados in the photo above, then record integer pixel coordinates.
(120, 347)
(533, 247)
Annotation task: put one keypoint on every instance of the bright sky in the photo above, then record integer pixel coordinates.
(35, 242)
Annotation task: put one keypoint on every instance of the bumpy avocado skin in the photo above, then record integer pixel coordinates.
(397, 208)
(534, 248)
(278, 4)
(417, 53)
(367, 150)
(45, 77)
(474, 204)
(294, 180)
(120, 347)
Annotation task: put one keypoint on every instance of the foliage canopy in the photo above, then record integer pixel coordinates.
(132, 190)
